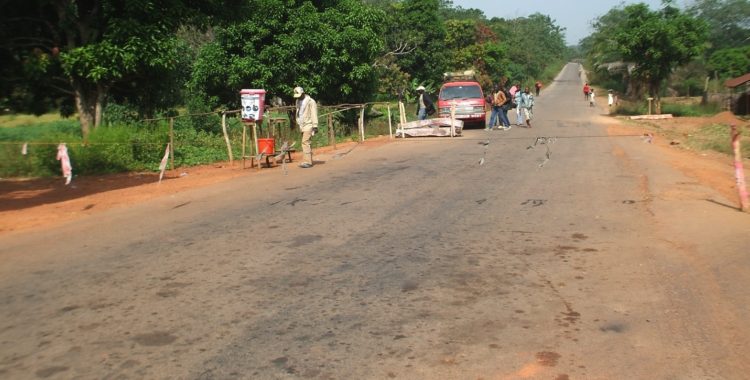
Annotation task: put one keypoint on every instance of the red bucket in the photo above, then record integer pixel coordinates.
(266, 146)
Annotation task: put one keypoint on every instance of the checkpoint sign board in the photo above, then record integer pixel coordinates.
(253, 102)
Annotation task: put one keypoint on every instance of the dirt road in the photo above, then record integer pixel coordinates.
(580, 256)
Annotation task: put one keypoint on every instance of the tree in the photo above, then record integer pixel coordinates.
(728, 21)
(328, 49)
(730, 63)
(96, 44)
(421, 20)
(658, 41)
(530, 43)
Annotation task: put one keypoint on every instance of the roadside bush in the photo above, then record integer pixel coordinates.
(690, 110)
(40, 158)
(716, 137)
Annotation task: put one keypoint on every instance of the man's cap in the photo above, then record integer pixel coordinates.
(420, 88)
(298, 91)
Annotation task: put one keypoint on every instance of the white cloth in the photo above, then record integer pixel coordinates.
(67, 168)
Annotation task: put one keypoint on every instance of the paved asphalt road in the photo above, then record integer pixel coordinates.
(569, 259)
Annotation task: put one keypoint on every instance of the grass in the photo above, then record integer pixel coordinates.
(16, 120)
(629, 108)
(716, 137)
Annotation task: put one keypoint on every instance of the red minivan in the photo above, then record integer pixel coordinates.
(468, 96)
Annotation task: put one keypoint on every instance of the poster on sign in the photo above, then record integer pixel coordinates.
(252, 104)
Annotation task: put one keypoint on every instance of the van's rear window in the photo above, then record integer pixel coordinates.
(460, 92)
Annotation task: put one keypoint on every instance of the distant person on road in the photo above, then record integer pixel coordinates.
(505, 107)
(497, 99)
(586, 90)
(517, 101)
(592, 98)
(424, 104)
(610, 98)
(513, 89)
(538, 87)
(307, 119)
(526, 105)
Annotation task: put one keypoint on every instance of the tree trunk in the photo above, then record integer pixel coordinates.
(89, 104)
(654, 93)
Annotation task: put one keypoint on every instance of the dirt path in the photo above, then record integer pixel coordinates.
(43, 203)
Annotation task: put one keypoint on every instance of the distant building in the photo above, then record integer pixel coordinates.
(739, 100)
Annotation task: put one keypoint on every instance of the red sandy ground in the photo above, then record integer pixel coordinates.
(42, 203)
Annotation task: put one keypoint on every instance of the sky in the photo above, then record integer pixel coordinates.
(573, 15)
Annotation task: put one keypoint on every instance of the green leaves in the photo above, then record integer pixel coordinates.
(328, 51)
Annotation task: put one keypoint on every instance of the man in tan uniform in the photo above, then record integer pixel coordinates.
(307, 119)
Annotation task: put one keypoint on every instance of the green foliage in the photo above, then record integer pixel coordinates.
(641, 108)
(690, 110)
(58, 50)
(731, 62)
(728, 20)
(532, 43)
(276, 48)
(716, 137)
(420, 20)
(658, 41)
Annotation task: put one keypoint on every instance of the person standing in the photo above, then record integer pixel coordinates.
(592, 98)
(538, 87)
(513, 89)
(525, 105)
(586, 90)
(424, 104)
(504, 108)
(517, 100)
(307, 119)
(498, 99)
(610, 98)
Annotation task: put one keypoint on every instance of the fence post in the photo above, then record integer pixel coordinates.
(331, 132)
(362, 124)
(171, 143)
(226, 136)
(244, 143)
(390, 125)
(739, 172)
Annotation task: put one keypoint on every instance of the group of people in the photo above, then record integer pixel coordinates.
(503, 100)
(590, 95)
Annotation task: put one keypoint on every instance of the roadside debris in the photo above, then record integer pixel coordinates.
(484, 143)
(546, 141)
(439, 127)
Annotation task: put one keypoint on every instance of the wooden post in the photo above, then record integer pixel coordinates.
(226, 136)
(331, 132)
(390, 125)
(402, 117)
(739, 172)
(171, 143)
(402, 112)
(244, 143)
(453, 118)
(255, 140)
(362, 124)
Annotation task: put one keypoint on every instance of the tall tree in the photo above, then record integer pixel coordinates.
(328, 49)
(728, 20)
(658, 41)
(95, 44)
(421, 18)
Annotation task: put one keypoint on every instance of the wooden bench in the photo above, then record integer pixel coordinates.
(268, 158)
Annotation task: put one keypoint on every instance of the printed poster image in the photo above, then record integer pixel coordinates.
(250, 106)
